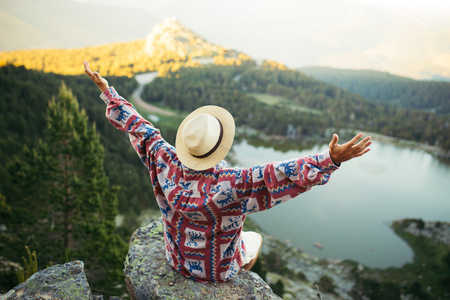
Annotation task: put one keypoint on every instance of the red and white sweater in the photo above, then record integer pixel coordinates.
(203, 211)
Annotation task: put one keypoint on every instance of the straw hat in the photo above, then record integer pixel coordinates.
(204, 137)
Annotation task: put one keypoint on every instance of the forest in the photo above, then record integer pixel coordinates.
(306, 105)
(44, 127)
(382, 87)
(119, 59)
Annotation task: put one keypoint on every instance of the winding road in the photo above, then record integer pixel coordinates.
(142, 80)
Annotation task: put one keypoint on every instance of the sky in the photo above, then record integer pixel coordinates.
(386, 3)
(406, 3)
(395, 6)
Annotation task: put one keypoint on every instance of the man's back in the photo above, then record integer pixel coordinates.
(204, 211)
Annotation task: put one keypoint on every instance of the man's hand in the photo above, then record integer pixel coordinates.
(95, 76)
(349, 150)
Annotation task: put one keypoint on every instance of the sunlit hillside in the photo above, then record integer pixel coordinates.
(168, 46)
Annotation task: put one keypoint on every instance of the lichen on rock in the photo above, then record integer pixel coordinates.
(65, 281)
(148, 275)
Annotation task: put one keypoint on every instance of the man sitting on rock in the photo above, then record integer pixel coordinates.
(203, 203)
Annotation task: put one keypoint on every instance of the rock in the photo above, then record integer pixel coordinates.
(67, 281)
(170, 36)
(148, 275)
(438, 231)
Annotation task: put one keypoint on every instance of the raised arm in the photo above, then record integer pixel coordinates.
(101, 82)
(122, 115)
(265, 186)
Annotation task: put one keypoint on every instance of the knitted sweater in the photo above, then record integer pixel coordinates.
(203, 211)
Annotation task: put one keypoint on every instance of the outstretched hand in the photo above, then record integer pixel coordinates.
(353, 148)
(101, 82)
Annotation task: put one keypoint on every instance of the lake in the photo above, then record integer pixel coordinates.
(350, 215)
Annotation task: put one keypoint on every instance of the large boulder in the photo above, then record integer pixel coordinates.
(148, 275)
(67, 281)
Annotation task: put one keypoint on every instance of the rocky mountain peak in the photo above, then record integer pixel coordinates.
(170, 36)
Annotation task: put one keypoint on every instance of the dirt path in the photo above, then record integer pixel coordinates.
(142, 80)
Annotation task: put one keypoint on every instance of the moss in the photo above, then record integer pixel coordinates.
(326, 284)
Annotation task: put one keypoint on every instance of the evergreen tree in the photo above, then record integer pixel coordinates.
(66, 209)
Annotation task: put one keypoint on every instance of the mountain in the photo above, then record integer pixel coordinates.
(336, 33)
(168, 46)
(384, 87)
(170, 36)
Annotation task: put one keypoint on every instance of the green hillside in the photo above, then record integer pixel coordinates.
(430, 96)
(25, 97)
(318, 106)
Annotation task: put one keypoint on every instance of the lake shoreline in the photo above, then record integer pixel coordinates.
(283, 143)
(390, 183)
(436, 151)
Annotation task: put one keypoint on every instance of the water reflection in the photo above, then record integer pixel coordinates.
(350, 215)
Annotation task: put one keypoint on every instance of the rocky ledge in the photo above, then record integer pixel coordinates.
(438, 231)
(67, 281)
(148, 275)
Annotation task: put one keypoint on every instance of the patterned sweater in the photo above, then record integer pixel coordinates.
(203, 211)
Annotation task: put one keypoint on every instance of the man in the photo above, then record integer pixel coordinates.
(203, 204)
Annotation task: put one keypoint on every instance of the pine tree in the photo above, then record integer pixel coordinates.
(67, 209)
